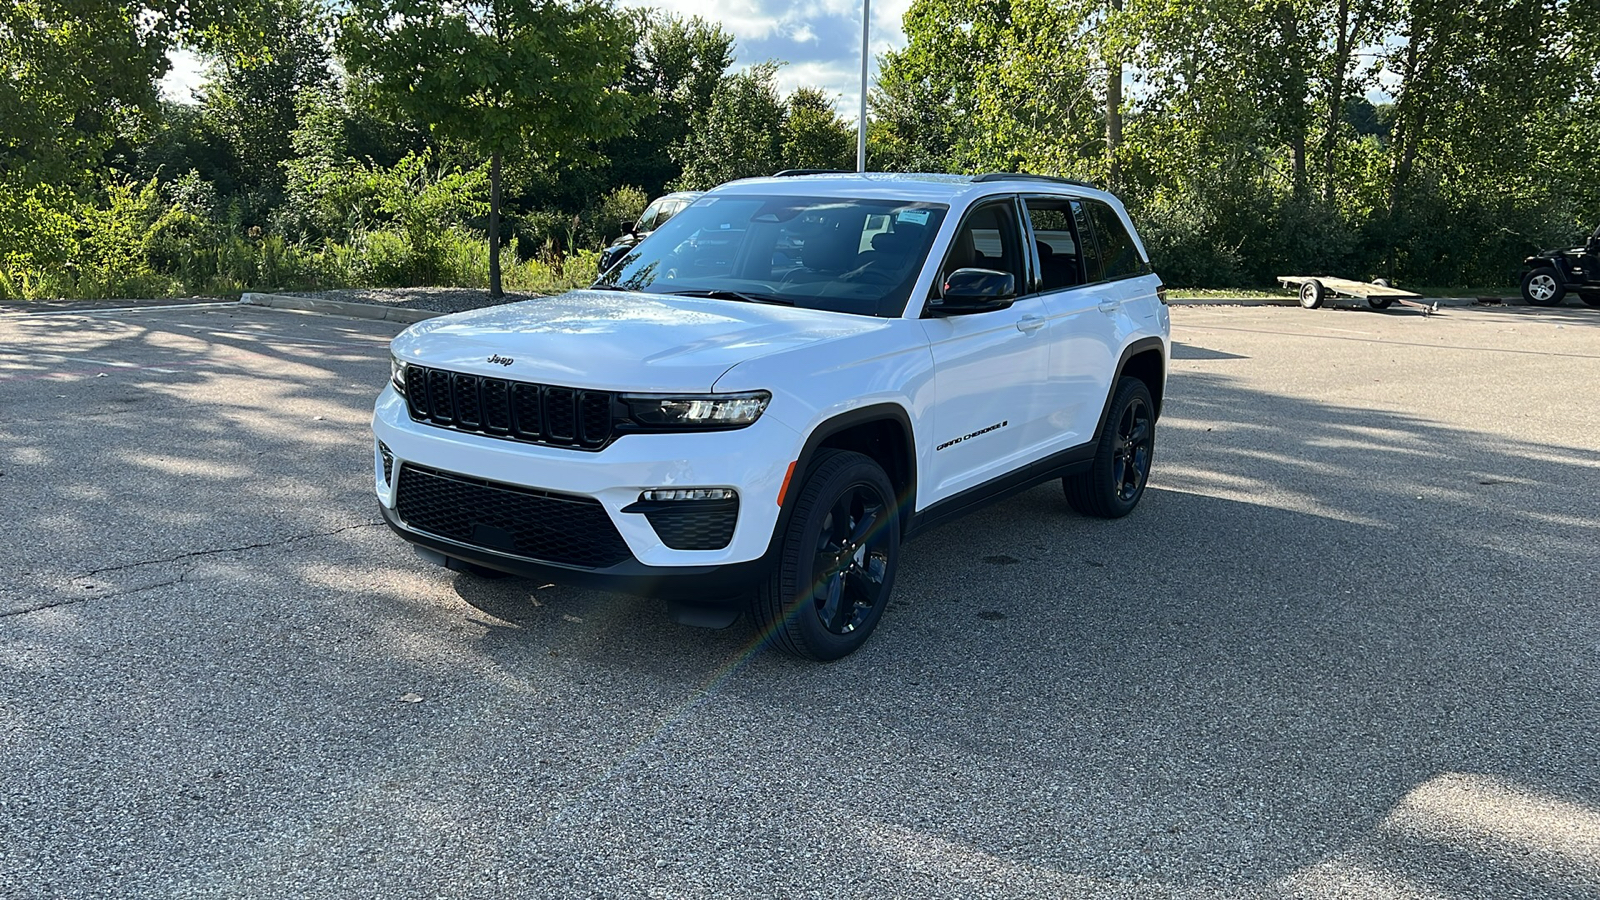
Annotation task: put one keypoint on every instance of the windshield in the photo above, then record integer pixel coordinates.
(845, 255)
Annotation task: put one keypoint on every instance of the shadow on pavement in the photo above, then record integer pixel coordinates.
(1334, 648)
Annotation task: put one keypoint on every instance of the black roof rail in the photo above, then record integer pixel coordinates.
(790, 173)
(1024, 176)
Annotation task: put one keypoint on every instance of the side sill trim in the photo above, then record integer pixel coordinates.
(1055, 465)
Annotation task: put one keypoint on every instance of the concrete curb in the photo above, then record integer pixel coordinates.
(337, 307)
(1291, 301)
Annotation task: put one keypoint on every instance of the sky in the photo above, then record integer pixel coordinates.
(818, 40)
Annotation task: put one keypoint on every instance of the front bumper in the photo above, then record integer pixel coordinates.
(752, 461)
(693, 585)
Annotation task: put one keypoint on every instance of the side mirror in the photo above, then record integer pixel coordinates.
(968, 291)
(630, 227)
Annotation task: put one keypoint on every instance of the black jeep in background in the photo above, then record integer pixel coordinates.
(1548, 276)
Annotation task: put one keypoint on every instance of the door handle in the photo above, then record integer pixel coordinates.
(1110, 306)
(1030, 324)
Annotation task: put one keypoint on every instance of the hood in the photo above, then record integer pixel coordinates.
(608, 340)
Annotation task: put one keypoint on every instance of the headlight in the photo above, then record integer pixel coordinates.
(701, 413)
(397, 374)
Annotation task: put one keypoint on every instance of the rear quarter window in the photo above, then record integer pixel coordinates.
(1119, 255)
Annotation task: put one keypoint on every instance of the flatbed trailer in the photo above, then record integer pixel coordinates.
(1314, 289)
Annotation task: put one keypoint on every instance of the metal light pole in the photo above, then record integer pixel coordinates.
(861, 129)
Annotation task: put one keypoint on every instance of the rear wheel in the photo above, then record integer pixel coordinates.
(1380, 302)
(1543, 287)
(837, 561)
(1115, 480)
(1312, 294)
(1590, 299)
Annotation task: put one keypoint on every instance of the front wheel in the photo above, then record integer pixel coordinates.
(836, 564)
(1543, 287)
(1115, 479)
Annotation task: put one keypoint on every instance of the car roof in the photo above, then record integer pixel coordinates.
(919, 186)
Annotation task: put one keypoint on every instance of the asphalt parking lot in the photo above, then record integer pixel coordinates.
(1348, 646)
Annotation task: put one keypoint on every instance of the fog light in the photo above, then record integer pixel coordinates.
(388, 463)
(688, 494)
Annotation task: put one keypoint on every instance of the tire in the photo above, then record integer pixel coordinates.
(1116, 478)
(822, 601)
(1312, 294)
(1380, 302)
(1543, 287)
(1590, 299)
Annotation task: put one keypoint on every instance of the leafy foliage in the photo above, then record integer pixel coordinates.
(1423, 140)
(1250, 146)
(540, 77)
(70, 73)
(740, 136)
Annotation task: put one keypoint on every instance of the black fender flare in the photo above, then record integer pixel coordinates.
(844, 421)
(1142, 345)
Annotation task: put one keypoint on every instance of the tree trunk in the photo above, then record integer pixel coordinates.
(1114, 110)
(1341, 62)
(494, 226)
(1403, 137)
(1294, 121)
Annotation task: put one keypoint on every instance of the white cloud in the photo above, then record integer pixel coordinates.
(185, 76)
(819, 40)
(745, 18)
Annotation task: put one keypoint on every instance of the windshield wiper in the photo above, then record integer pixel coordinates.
(607, 286)
(742, 296)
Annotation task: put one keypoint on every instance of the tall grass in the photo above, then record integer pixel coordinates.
(227, 264)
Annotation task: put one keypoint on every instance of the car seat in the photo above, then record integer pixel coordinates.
(826, 255)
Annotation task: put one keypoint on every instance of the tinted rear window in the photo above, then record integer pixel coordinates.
(1119, 257)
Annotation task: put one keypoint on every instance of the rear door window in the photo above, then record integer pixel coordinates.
(1055, 238)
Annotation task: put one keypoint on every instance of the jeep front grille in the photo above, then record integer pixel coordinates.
(514, 410)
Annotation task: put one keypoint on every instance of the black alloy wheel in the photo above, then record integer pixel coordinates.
(1131, 455)
(852, 557)
(836, 565)
(1115, 480)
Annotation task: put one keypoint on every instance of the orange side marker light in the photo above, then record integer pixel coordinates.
(784, 491)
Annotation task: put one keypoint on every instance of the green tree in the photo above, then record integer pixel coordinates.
(506, 77)
(740, 136)
(69, 71)
(814, 137)
(991, 85)
(259, 68)
(677, 66)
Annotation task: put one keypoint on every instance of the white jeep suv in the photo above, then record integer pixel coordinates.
(760, 402)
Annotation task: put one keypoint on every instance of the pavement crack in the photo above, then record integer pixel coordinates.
(220, 550)
(74, 601)
(182, 577)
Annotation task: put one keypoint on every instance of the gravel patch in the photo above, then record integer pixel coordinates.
(430, 299)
